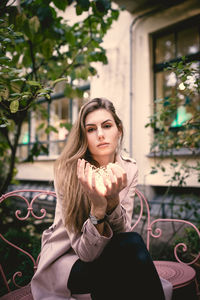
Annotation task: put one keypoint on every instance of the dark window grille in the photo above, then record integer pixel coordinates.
(169, 46)
(59, 110)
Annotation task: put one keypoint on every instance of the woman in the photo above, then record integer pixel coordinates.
(89, 249)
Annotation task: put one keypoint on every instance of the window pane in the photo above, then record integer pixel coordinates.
(182, 116)
(82, 101)
(24, 136)
(165, 84)
(60, 119)
(188, 41)
(184, 105)
(39, 123)
(59, 114)
(188, 105)
(24, 140)
(22, 152)
(56, 147)
(165, 48)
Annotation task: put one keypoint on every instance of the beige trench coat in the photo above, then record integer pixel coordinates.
(61, 248)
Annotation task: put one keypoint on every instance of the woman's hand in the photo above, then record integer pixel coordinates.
(102, 187)
(117, 181)
(93, 189)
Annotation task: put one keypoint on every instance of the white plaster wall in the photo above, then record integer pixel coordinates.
(143, 87)
(39, 170)
(112, 80)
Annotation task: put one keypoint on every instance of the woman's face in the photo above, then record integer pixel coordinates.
(102, 135)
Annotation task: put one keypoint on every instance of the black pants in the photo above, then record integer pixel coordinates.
(124, 270)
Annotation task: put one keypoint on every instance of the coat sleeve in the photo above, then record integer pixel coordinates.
(88, 244)
(121, 218)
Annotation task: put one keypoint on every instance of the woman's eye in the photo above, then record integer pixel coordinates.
(107, 126)
(90, 130)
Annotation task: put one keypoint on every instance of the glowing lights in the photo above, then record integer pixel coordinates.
(181, 86)
(102, 178)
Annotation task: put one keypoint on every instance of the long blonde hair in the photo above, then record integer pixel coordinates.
(75, 203)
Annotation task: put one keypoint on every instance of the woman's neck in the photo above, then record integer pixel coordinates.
(104, 161)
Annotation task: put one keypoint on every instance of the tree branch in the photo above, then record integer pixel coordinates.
(33, 58)
(8, 179)
(4, 132)
(73, 60)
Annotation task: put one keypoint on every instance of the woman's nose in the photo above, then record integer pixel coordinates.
(100, 133)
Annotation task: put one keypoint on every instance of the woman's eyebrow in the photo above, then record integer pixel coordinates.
(90, 124)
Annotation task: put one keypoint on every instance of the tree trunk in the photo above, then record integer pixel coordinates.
(9, 176)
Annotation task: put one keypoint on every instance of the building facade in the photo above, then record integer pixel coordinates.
(146, 36)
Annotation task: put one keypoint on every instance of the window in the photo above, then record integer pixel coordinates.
(24, 140)
(60, 113)
(170, 46)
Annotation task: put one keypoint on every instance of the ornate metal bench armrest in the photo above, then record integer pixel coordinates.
(29, 213)
(156, 233)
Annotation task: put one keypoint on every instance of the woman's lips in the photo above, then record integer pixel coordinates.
(102, 145)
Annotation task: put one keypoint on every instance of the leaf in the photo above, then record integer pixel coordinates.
(70, 38)
(84, 73)
(69, 92)
(50, 128)
(44, 149)
(7, 40)
(80, 59)
(92, 70)
(18, 34)
(18, 79)
(84, 4)
(34, 24)
(79, 92)
(41, 126)
(33, 83)
(61, 4)
(60, 80)
(5, 58)
(79, 10)
(42, 94)
(3, 122)
(37, 150)
(163, 169)
(115, 14)
(73, 74)
(154, 171)
(47, 48)
(21, 20)
(47, 96)
(102, 5)
(14, 105)
(26, 62)
(68, 126)
(15, 94)
(42, 91)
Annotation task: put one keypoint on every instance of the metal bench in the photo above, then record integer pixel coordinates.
(179, 273)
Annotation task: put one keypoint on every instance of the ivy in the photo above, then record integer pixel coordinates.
(167, 139)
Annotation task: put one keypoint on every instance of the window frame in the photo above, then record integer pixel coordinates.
(159, 67)
(54, 97)
(174, 29)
